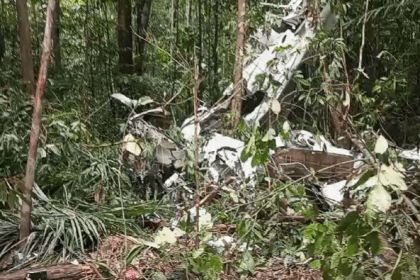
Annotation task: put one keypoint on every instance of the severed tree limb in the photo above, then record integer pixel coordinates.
(55, 272)
(25, 222)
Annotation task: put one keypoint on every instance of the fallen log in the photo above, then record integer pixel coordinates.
(60, 271)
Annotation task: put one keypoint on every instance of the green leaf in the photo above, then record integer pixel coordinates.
(311, 249)
(248, 262)
(345, 267)
(375, 242)
(241, 228)
(335, 260)
(352, 246)
(358, 274)
(349, 220)
(134, 252)
(198, 252)
(397, 275)
(12, 200)
(244, 155)
(316, 264)
(256, 160)
(215, 263)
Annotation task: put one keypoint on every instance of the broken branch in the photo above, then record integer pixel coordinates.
(55, 272)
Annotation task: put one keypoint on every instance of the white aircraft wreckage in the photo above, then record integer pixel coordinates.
(220, 156)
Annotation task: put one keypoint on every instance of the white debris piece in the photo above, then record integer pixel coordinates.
(229, 150)
(221, 242)
(224, 241)
(125, 100)
(333, 193)
(188, 129)
(204, 217)
(411, 154)
(171, 181)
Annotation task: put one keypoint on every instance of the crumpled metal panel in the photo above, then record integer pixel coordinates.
(297, 163)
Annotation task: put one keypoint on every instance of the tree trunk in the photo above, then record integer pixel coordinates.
(125, 39)
(25, 221)
(25, 46)
(56, 46)
(240, 53)
(143, 13)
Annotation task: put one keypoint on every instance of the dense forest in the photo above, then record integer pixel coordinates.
(209, 139)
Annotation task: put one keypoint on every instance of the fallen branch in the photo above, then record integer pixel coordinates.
(61, 271)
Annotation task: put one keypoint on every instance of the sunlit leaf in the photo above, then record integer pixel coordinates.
(275, 106)
(381, 145)
(389, 176)
(286, 127)
(131, 146)
(198, 252)
(269, 135)
(379, 199)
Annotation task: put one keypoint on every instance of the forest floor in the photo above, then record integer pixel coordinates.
(111, 256)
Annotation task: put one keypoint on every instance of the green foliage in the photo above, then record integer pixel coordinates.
(258, 146)
(205, 263)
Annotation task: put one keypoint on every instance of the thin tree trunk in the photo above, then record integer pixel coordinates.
(143, 14)
(56, 46)
(215, 54)
(240, 53)
(2, 33)
(125, 37)
(25, 220)
(200, 38)
(25, 46)
(175, 46)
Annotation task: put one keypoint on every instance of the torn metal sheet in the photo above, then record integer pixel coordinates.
(223, 154)
(294, 45)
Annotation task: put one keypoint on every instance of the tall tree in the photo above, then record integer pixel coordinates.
(143, 13)
(125, 37)
(240, 53)
(25, 217)
(25, 45)
(56, 38)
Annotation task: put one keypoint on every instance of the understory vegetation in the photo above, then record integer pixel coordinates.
(360, 80)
